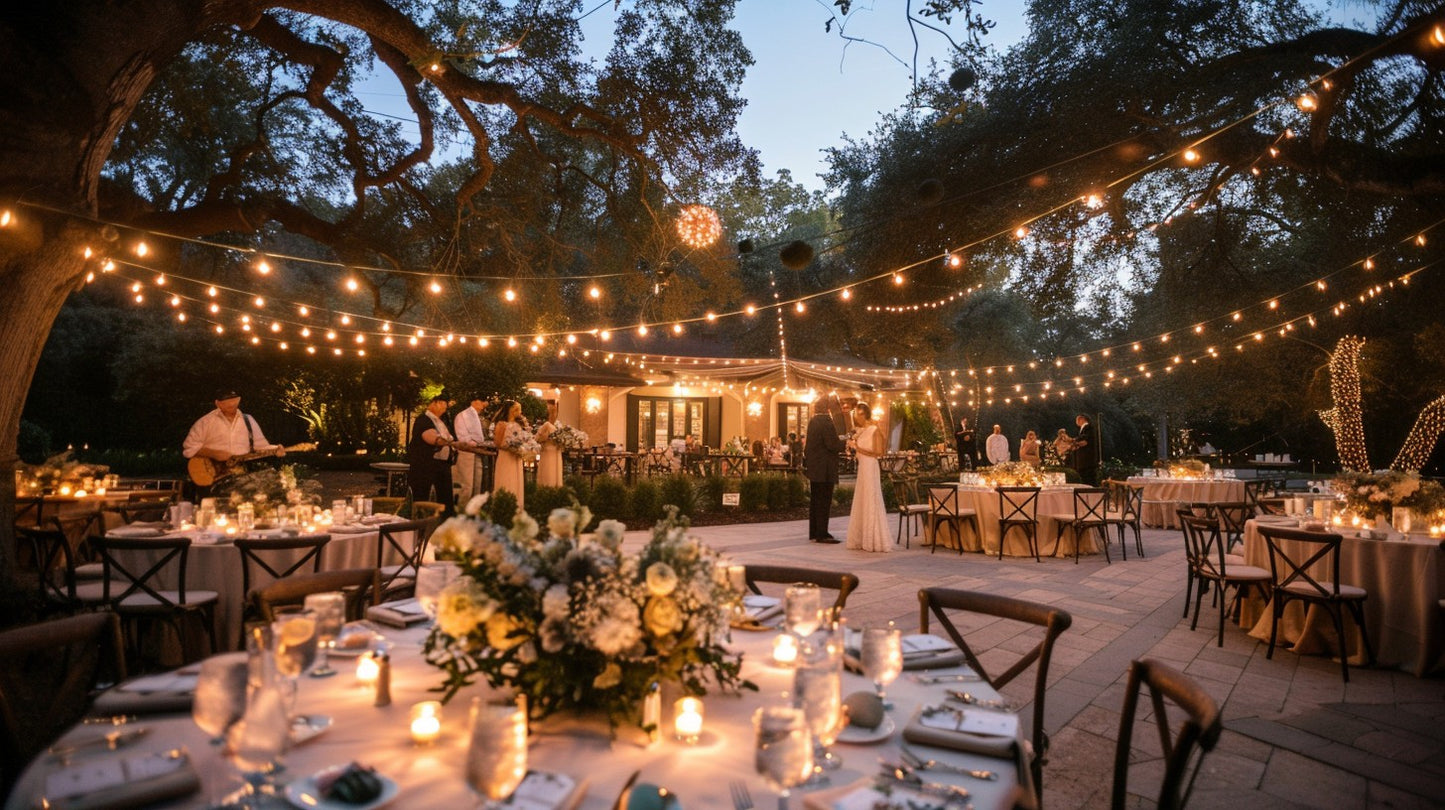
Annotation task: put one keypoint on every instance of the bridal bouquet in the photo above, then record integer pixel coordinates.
(579, 624)
(521, 441)
(568, 437)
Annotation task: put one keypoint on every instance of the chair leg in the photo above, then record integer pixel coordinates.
(1002, 536)
(1198, 598)
(1220, 641)
(1138, 539)
(1033, 534)
(1357, 610)
(1188, 588)
(1276, 610)
(1339, 620)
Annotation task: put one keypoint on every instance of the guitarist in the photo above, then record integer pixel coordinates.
(431, 456)
(224, 433)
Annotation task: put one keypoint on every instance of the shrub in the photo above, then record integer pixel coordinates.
(777, 491)
(843, 496)
(645, 501)
(753, 493)
(677, 491)
(609, 499)
(542, 500)
(710, 491)
(502, 507)
(798, 494)
(581, 487)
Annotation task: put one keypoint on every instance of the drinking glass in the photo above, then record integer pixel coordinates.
(818, 691)
(430, 580)
(257, 742)
(293, 641)
(245, 517)
(802, 608)
(497, 753)
(783, 753)
(882, 657)
(330, 608)
(220, 698)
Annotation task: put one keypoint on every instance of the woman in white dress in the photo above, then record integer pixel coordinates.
(509, 464)
(549, 466)
(868, 522)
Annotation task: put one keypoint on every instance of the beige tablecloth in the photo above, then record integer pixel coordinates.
(1405, 579)
(1162, 496)
(984, 500)
(434, 776)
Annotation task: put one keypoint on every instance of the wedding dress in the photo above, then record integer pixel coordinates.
(868, 522)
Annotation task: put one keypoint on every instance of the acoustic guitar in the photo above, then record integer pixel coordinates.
(206, 471)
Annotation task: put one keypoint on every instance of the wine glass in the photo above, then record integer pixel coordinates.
(497, 752)
(258, 741)
(882, 655)
(783, 753)
(431, 579)
(330, 608)
(293, 641)
(818, 691)
(220, 698)
(802, 608)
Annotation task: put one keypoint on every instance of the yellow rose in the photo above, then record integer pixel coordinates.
(662, 617)
(462, 607)
(501, 632)
(661, 579)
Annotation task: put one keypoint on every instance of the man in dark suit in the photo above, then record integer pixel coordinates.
(963, 440)
(1086, 451)
(820, 462)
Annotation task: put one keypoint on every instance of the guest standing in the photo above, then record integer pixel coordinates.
(1029, 450)
(964, 441)
(471, 438)
(1086, 451)
(509, 475)
(430, 456)
(997, 446)
(549, 466)
(820, 463)
(868, 520)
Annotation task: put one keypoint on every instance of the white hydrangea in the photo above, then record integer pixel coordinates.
(609, 533)
(458, 536)
(474, 506)
(462, 607)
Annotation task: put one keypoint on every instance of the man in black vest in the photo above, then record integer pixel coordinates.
(820, 462)
(1086, 451)
(964, 441)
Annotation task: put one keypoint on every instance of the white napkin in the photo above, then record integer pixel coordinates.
(121, 782)
(546, 791)
(136, 531)
(176, 682)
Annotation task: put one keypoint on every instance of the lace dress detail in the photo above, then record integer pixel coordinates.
(868, 522)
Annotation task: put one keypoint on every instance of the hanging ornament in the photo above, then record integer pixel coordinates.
(698, 225)
(796, 254)
(962, 79)
(930, 191)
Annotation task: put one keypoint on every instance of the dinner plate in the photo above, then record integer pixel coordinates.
(307, 726)
(304, 794)
(857, 735)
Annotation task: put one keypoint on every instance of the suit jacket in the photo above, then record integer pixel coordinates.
(820, 453)
(1087, 457)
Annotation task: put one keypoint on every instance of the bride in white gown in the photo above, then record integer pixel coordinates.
(868, 522)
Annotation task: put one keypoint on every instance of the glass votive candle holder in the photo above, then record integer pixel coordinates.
(785, 650)
(426, 722)
(687, 719)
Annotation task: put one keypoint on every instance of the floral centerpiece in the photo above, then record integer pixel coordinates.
(1013, 474)
(58, 471)
(577, 624)
(1188, 468)
(738, 446)
(1373, 495)
(270, 487)
(568, 437)
(521, 441)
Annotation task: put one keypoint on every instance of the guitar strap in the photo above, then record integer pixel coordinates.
(250, 437)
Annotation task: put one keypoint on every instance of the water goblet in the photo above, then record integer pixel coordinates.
(257, 742)
(818, 691)
(330, 608)
(497, 751)
(783, 752)
(882, 655)
(293, 641)
(220, 698)
(802, 608)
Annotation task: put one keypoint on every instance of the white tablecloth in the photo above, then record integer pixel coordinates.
(1052, 500)
(1163, 495)
(1405, 579)
(433, 776)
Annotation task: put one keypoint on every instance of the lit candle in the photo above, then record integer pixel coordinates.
(687, 719)
(100, 490)
(426, 722)
(785, 650)
(1354, 521)
(1434, 531)
(366, 670)
(80, 493)
(64, 489)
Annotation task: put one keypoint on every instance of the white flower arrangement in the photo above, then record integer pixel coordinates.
(521, 441)
(569, 438)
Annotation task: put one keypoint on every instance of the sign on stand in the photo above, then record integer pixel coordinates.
(730, 498)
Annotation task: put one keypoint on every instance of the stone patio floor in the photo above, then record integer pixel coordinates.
(1295, 735)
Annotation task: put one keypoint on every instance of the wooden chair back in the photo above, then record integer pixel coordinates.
(841, 582)
(276, 556)
(1198, 732)
(362, 587)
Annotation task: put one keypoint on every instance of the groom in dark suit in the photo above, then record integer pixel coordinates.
(820, 462)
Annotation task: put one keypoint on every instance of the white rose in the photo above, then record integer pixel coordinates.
(561, 522)
(609, 533)
(661, 579)
(524, 528)
(462, 607)
(474, 506)
(457, 536)
(502, 632)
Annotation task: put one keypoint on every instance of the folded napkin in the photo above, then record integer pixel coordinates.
(546, 791)
(162, 693)
(137, 530)
(350, 528)
(181, 680)
(866, 794)
(112, 783)
(978, 731)
(920, 651)
(397, 614)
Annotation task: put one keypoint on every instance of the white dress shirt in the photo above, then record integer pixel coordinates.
(469, 426)
(997, 448)
(216, 432)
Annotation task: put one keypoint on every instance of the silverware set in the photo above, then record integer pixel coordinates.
(970, 699)
(955, 677)
(918, 763)
(742, 799)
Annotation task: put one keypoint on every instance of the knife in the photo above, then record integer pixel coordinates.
(622, 794)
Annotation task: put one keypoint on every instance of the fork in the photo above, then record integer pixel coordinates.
(916, 762)
(742, 799)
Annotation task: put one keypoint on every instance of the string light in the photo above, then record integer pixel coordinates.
(698, 226)
(1346, 418)
(1423, 436)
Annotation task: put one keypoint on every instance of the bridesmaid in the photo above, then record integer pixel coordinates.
(549, 467)
(509, 475)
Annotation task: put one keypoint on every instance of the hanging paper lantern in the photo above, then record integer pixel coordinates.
(745, 246)
(930, 191)
(962, 79)
(698, 225)
(796, 254)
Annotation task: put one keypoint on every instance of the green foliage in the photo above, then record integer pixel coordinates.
(581, 486)
(919, 430)
(542, 500)
(797, 487)
(609, 499)
(677, 490)
(753, 493)
(710, 491)
(34, 442)
(644, 501)
(843, 496)
(501, 508)
(778, 492)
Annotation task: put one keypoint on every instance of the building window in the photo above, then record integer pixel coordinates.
(793, 418)
(656, 421)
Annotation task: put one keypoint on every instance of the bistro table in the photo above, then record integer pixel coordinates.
(1163, 495)
(393, 470)
(1052, 500)
(434, 776)
(1405, 579)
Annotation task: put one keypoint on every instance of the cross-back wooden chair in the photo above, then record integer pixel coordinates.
(1054, 621)
(133, 568)
(839, 581)
(361, 586)
(944, 509)
(1018, 507)
(1090, 514)
(1126, 510)
(1212, 567)
(1292, 553)
(406, 539)
(1199, 730)
(272, 558)
(910, 510)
